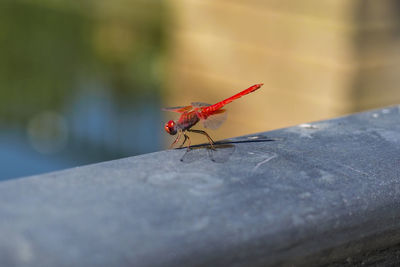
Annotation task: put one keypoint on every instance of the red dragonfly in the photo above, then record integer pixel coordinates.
(212, 117)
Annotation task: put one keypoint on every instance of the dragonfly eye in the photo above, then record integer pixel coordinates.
(170, 127)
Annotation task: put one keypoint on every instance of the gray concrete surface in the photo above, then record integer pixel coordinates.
(311, 194)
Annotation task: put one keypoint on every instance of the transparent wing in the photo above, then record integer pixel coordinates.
(181, 109)
(215, 121)
(199, 104)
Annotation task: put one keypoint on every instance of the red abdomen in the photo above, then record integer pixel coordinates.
(213, 108)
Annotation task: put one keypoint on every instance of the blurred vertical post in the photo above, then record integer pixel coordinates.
(318, 59)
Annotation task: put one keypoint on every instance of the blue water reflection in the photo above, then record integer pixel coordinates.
(78, 83)
(98, 129)
(18, 158)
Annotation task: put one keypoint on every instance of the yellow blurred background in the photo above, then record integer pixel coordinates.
(85, 81)
(317, 59)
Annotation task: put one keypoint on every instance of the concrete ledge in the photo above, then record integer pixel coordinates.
(319, 193)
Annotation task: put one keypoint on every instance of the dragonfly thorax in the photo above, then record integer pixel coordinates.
(170, 127)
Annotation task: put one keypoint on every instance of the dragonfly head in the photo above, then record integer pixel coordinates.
(170, 127)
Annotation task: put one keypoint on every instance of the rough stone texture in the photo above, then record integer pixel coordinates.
(317, 193)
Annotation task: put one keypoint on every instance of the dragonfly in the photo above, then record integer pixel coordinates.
(212, 116)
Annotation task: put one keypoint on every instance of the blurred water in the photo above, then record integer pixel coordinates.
(79, 82)
(18, 158)
(96, 129)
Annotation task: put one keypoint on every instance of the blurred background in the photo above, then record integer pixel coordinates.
(83, 82)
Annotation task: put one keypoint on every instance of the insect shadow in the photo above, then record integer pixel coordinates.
(222, 152)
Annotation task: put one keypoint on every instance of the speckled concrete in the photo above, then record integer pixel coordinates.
(310, 194)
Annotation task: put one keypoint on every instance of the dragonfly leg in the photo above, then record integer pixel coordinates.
(176, 140)
(206, 134)
(187, 137)
(184, 140)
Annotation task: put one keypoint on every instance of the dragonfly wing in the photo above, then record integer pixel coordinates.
(181, 109)
(199, 104)
(215, 120)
